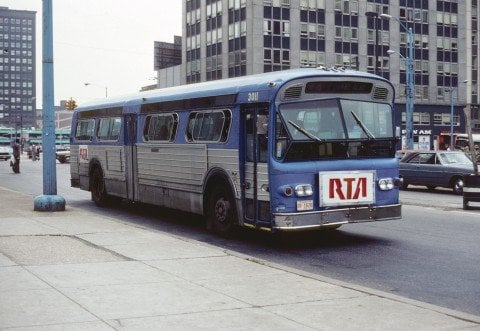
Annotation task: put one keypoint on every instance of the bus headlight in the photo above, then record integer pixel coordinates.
(386, 184)
(304, 190)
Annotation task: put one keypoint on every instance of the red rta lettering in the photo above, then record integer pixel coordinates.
(347, 188)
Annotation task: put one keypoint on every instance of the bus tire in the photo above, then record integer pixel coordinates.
(221, 212)
(97, 188)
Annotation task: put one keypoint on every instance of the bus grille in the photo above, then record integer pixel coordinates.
(293, 92)
(380, 93)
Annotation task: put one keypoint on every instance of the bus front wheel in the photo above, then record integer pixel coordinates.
(221, 214)
(97, 187)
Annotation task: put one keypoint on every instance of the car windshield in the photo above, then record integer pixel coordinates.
(454, 158)
(334, 128)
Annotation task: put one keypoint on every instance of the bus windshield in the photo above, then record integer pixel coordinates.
(344, 128)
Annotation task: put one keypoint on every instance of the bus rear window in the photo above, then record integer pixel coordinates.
(84, 130)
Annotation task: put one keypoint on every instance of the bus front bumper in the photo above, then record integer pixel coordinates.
(332, 217)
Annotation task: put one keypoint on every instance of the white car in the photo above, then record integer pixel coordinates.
(5, 152)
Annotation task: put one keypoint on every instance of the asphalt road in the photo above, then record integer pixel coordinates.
(432, 255)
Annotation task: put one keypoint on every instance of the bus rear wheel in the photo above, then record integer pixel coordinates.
(221, 213)
(97, 187)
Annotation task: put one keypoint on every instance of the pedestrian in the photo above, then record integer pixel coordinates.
(36, 153)
(15, 163)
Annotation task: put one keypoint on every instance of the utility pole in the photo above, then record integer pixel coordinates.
(49, 201)
(410, 77)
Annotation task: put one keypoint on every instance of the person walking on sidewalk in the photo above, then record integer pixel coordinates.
(15, 163)
(35, 153)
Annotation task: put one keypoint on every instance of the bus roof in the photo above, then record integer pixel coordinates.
(228, 86)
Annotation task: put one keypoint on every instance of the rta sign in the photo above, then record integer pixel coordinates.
(339, 188)
(347, 188)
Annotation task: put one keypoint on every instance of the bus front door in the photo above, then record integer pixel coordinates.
(130, 156)
(255, 195)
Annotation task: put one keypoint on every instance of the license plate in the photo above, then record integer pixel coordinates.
(303, 205)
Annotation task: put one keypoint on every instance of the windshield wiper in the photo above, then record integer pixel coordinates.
(360, 123)
(305, 132)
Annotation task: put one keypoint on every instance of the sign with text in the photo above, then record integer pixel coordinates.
(347, 188)
(83, 154)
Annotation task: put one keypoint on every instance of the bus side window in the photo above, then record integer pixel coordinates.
(109, 128)
(116, 125)
(209, 126)
(262, 135)
(281, 137)
(84, 130)
(250, 138)
(160, 127)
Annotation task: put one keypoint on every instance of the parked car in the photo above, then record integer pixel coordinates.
(5, 151)
(435, 168)
(401, 153)
(63, 156)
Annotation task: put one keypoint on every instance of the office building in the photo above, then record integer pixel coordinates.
(17, 68)
(167, 54)
(229, 38)
(167, 63)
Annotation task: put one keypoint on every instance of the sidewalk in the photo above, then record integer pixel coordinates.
(83, 271)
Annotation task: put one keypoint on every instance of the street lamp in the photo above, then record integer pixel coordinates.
(375, 16)
(452, 90)
(33, 101)
(21, 130)
(106, 89)
(410, 81)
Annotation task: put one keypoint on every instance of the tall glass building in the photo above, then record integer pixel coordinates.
(229, 38)
(17, 68)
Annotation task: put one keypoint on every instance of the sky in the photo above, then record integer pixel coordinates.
(108, 43)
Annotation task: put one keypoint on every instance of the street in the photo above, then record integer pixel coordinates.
(432, 255)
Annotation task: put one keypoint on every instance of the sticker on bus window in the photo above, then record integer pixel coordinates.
(83, 153)
(346, 188)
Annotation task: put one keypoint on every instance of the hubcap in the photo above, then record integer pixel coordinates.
(459, 185)
(221, 210)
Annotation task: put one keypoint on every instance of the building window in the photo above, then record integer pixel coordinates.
(419, 118)
(443, 119)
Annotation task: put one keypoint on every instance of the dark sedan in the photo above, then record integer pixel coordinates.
(435, 168)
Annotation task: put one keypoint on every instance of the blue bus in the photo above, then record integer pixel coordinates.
(284, 151)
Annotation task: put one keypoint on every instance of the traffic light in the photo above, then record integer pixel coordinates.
(71, 104)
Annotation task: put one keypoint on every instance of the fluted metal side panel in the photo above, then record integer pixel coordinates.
(228, 160)
(74, 173)
(262, 179)
(176, 164)
(111, 158)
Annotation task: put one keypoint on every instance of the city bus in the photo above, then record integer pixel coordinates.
(285, 151)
